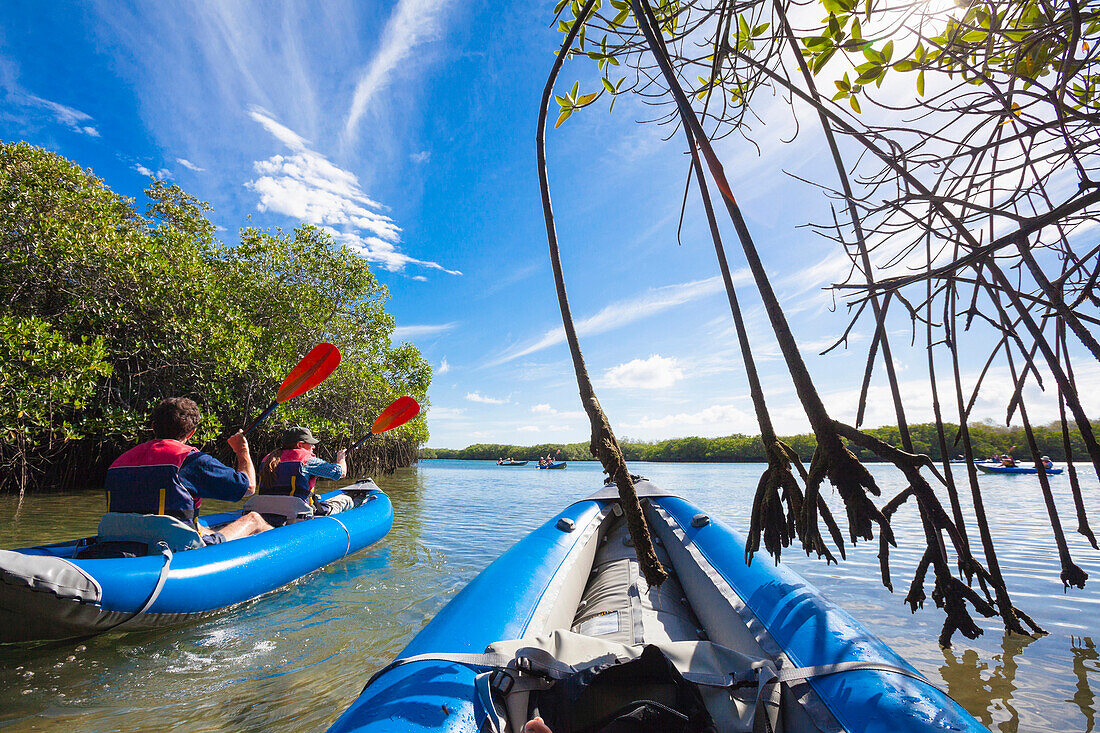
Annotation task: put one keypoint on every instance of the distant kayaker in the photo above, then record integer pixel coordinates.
(1008, 461)
(293, 470)
(166, 476)
(1047, 463)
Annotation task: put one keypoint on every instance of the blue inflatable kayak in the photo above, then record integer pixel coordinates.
(47, 594)
(565, 610)
(553, 465)
(985, 468)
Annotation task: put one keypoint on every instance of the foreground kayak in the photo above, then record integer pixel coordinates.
(554, 465)
(46, 594)
(1013, 469)
(566, 608)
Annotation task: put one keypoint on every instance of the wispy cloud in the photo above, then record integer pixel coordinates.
(445, 413)
(544, 409)
(189, 165)
(621, 314)
(478, 397)
(444, 367)
(413, 23)
(74, 119)
(422, 157)
(709, 422)
(403, 333)
(308, 187)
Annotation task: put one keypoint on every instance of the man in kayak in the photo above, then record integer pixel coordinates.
(293, 470)
(166, 476)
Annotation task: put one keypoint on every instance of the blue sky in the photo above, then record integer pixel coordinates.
(407, 128)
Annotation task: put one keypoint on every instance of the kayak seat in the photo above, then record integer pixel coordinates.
(278, 510)
(120, 529)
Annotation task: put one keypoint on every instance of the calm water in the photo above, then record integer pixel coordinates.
(294, 659)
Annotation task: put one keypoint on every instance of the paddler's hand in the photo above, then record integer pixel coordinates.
(238, 443)
(340, 454)
(536, 726)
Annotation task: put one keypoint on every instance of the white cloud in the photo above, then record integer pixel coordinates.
(623, 313)
(189, 165)
(444, 367)
(307, 186)
(544, 409)
(422, 157)
(528, 429)
(413, 23)
(420, 278)
(478, 397)
(656, 372)
(403, 333)
(163, 174)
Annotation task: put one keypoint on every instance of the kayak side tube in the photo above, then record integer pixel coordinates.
(45, 595)
(499, 603)
(784, 610)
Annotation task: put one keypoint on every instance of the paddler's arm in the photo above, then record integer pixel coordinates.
(239, 444)
(335, 471)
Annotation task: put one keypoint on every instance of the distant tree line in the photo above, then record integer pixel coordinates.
(109, 310)
(987, 439)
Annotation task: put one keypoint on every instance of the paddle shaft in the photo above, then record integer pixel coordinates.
(359, 443)
(260, 418)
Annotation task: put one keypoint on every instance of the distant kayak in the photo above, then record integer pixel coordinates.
(513, 463)
(48, 592)
(1013, 469)
(554, 465)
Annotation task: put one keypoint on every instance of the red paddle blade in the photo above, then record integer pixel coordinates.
(400, 412)
(311, 371)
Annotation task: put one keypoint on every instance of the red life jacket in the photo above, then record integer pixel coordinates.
(291, 478)
(146, 480)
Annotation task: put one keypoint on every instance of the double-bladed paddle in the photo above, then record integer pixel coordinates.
(313, 369)
(400, 412)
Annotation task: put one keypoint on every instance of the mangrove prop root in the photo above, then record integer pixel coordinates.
(603, 444)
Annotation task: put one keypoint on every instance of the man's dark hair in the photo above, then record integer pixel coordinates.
(175, 418)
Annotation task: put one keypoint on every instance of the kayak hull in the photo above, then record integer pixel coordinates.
(508, 600)
(554, 465)
(46, 594)
(513, 463)
(1010, 470)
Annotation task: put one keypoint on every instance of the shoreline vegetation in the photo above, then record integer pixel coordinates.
(987, 440)
(111, 310)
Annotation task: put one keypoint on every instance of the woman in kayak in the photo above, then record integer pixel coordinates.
(293, 470)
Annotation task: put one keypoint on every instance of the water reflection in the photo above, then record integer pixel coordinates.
(1085, 661)
(986, 692)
